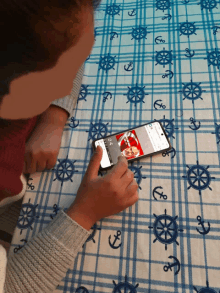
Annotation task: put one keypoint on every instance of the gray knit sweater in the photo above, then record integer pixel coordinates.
(43, 262)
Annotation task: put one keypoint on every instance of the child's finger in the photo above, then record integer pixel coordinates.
(94, 164)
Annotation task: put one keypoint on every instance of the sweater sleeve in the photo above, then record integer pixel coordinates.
(68, 102)
(43, 262)
(3, 261)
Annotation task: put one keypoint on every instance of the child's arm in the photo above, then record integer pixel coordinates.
(43, 145)
(54, 115)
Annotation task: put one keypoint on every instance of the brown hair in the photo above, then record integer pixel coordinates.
(32, 37)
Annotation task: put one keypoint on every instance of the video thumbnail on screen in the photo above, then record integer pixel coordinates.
(129, 144)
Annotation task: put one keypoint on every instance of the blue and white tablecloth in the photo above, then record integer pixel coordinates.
(152, 60)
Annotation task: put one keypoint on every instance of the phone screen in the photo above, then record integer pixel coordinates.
(138, 142)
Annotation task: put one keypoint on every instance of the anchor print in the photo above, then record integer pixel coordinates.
(169, 16)
(113, 35)
(30, 186)
(169, 73)
(215, 29)
(169, 152)
(129, 67)
(159, 40)
(94, 229)
(205, 231)
(116, 238)
(133, 13)
(159, 193)
(190, 53)
(106, 95)
(193, 121)
(156, 103)
(55, 211)
(16, 249)
(170, 266)
(75, 123)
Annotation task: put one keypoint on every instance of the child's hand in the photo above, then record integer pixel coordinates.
(42, 148)
(100, 197)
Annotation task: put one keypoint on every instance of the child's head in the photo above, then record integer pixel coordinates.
(43, 45)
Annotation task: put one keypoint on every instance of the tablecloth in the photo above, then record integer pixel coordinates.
(152, 60)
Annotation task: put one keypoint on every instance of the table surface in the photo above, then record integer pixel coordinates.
(152, 60)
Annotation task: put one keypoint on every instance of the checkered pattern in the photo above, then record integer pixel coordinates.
(151, 60)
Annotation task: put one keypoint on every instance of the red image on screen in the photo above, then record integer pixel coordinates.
(129, 144)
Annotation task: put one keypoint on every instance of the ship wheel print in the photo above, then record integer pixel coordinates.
(206, 289)
(168, 126)
(82, 289)
(97, 130)
(139, 33)
(187, 28)
(217, 132)
(113, 9)
(214, 58)
(83, 92)
(208, 4)
(165, 229)
(65, 170)
(164, 57)
(107, 62)
(198, 177)
(136, 94)
(192, 91)
(137, 174)
(27, 216)
(163, 5)
(124, 287)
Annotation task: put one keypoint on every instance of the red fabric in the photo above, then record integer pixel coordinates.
(13, 135)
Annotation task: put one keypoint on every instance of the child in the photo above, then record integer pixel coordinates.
(27, 117)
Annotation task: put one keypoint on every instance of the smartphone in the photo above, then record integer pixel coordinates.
(142, 141)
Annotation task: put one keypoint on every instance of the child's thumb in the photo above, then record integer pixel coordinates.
(94, 164)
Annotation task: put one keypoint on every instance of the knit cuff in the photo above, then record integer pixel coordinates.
(46, 258)
(67, 231)
(68, 102)
(65, 103)
(3, 262)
